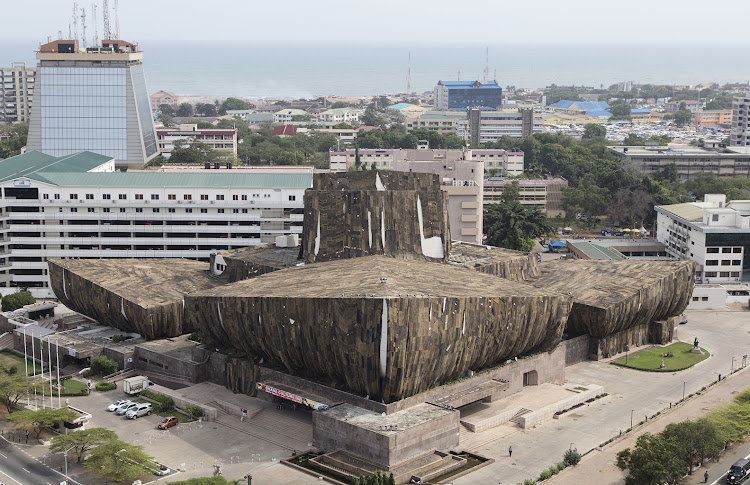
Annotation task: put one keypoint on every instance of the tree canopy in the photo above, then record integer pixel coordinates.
(511, 225)
(36, 421)
(82, 441)
(14, 387)
(17, 300)
(119, 461)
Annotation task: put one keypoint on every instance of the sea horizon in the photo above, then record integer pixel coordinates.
(292, 70)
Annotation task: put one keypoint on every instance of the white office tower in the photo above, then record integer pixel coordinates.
(92, 99)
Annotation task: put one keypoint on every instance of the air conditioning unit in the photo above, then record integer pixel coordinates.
(147, 201)
(213, 201)
(179, 202)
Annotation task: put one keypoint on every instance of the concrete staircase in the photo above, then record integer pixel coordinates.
(517, 417)
(6, 341)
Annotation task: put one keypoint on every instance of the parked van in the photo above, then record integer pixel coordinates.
(739, 472)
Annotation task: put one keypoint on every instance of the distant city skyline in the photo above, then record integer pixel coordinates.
(638, 22)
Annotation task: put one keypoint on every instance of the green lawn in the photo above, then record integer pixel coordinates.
(8, 359)
(181, 417)
(72, 386)
(650, 359)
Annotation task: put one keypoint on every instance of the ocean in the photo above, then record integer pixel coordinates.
(295, 70)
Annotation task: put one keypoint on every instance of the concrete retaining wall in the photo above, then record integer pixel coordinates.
(577, 349)
(493, 421)
(180, 402)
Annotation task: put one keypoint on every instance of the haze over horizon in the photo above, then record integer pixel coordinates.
(640, 22)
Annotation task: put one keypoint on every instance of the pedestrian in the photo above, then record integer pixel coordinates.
(705, 477)
(114, 383)
(510, 451)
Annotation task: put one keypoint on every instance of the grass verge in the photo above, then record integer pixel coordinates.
(650, 359)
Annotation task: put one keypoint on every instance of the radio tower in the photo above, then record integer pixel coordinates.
(117, 22)
(486, 63)
(75, 20)
(96, 26)
(83, 27)
(105, 13)
(408, 76)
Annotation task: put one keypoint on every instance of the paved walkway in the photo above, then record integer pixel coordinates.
(599, 466)
(632, 393)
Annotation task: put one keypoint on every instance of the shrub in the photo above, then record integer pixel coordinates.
(561, 466)
(194, 411)
(13, 370)
(529, 481)
(165, 402)
(104, 386)
(84, 392)
(86, 374)
(116, 339)
(16, 300)
(195, 337)
(553, 470)
(103, 366)
(545, 475)
(571, 457)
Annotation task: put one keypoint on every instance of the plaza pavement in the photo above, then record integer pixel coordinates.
(255, 446)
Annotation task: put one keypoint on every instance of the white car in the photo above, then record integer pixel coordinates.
(125, 408)
(143, 409)
(113, 407)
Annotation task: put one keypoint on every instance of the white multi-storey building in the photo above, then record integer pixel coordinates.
(505, 162)
(16, 92)
(77, 207)
(740, 134)
(714, 233)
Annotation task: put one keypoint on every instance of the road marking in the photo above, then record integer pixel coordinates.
(724, 474)
(19, 483)
(26, 471)
(3, 456)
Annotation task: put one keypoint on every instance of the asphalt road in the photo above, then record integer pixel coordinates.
(16, 468)
(717, 474)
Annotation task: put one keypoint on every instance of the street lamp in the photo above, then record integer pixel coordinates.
(731, 371)
(65, 453)
(631, 418)
(249, 479)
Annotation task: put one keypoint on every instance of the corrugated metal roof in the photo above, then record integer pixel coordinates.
(689, 211)
(166, 179)
(594, 251)
(400, 105)
(29, 163)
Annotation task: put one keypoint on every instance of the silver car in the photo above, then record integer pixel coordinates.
(143, 409)
(125, 408)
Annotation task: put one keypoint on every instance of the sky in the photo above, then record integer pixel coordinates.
(399, 21)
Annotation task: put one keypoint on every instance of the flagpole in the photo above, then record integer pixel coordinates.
(41, 373)
(51, 391)
(26, 362)
(57, 341)
(33, 364)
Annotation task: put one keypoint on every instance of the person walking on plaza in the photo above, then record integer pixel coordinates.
(705, 477)
(510, 451)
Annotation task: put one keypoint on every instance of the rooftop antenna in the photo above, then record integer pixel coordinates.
(83, 26)
(459, 75)
(495, 74)
(486, 63)
(70, 31)
(96, 27)
(75, 20)
(105, 14)
(59, 35)
(408, 76)
(117, 22)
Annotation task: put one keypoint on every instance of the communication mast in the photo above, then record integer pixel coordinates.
(117, 21)
(107, 30)
(83, 27)
(408, 76)
(96, 26)
(75, 20)
(486, 63)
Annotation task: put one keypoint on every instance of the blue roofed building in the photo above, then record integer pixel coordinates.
(467, 94)
(579, 107)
